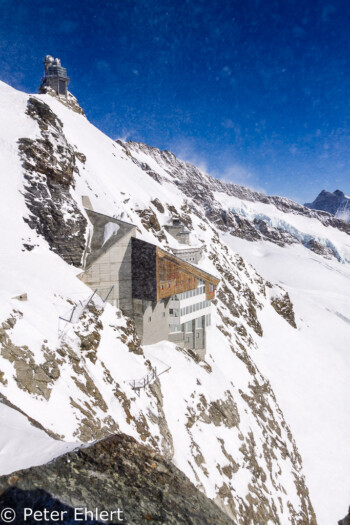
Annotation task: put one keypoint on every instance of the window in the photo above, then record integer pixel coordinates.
(149, 319)
(199, 322)
(163, 314)
(175, 328)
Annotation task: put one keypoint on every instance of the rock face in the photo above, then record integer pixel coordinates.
(114, 473)
(203, 189)
(50, 163)
(30, 377)
(336, 203)
(346, 520)
(70, 102)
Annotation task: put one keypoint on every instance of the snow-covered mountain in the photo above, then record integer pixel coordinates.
(267, 404)
(336, 203)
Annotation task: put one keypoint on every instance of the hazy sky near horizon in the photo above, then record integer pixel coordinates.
(255, 92)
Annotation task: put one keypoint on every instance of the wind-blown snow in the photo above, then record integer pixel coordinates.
(344, 213)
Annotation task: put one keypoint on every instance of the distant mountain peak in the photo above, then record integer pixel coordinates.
(336, 203)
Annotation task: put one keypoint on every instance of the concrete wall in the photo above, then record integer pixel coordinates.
(179, 233)
(192, 338)
(195, 340)
(177, 338)
(113, 268)
(151, 320)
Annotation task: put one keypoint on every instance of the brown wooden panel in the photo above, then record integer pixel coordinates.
(177, 276)
(172, 279)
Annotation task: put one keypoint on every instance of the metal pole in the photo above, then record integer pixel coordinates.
(71, 317)
(108, 294)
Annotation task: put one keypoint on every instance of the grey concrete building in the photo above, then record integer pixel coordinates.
(107, 261)
(178, 231)
(168, 298)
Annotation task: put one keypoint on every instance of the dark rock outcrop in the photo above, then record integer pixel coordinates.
(346, 520)
(70, 101)
(284, 307)
(50, 165)
(115, 473)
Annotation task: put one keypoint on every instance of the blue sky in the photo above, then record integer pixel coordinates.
(256, 92)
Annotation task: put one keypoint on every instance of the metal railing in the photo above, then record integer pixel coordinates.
(78, 310)
(148, 379)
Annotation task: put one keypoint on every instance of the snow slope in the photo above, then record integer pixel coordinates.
(217, 418)
(309, 368)
(22, 445)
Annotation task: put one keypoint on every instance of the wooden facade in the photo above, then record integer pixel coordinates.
(158, 275)
(176, 276)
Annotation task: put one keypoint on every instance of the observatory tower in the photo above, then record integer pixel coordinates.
(55, 76)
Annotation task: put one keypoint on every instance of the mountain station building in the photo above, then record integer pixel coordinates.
(169, 298)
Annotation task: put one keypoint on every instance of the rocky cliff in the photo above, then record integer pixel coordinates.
(115, 474)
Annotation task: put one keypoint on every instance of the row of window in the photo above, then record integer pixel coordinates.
(175, 312)
(194, 308)
(188, 258)
(187, 328)
(191, 293)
